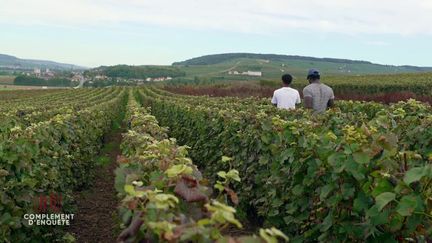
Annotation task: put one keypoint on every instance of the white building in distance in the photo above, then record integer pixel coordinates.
(158, 79)
(78, 78)
(37, 71)
(253, 73)
(248, 73)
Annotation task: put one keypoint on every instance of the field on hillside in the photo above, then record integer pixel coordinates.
(273, 69)
(5, 79)
(202, 169)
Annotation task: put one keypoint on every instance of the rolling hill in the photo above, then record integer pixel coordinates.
(12, 62)
(272, 66)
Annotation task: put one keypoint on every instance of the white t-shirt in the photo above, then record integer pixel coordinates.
(286, 98)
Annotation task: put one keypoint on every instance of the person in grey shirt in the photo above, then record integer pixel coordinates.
(317, 95)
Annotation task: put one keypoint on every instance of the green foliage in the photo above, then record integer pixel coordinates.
(26, 80)
(164, 196)
(139, 72)
(102, 161)
(360, 172)
(34, 81)
(417, 83)
(50, 153)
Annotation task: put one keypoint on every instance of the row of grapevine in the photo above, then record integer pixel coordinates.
(43, 98)
(51, 101)
(360, 172)
(19, 94)
(381, 88)
(263, 104)
(417, 83)
(51, 154)
(165, 197)
(23, 116)
(370, 84)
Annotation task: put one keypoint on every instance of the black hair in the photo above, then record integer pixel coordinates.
(287, 79)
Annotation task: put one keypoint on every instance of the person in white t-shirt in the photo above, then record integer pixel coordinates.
(286, 97)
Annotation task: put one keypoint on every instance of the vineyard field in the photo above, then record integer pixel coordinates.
(369, 161)
(196, 168)
(379, 88)
(5, 79)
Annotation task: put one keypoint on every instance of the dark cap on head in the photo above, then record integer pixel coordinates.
(313, 74)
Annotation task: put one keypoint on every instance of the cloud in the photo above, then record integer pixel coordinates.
(246, 16)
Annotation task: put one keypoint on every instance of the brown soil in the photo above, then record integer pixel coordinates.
(95, 219)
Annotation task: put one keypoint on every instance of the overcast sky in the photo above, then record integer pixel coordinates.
(105, 32)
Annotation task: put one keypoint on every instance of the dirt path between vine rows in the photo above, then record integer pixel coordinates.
(95, 219)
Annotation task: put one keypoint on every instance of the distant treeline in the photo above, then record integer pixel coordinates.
(34, 81)
(137, 72)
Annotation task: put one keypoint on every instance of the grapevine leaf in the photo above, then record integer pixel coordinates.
(414, 174)
(325, 190)
(383, 199)
(407, 205)
(328, 222)
(361, 158)
(222, 174)
(129, 189)
(233, 174)
(176, 170)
